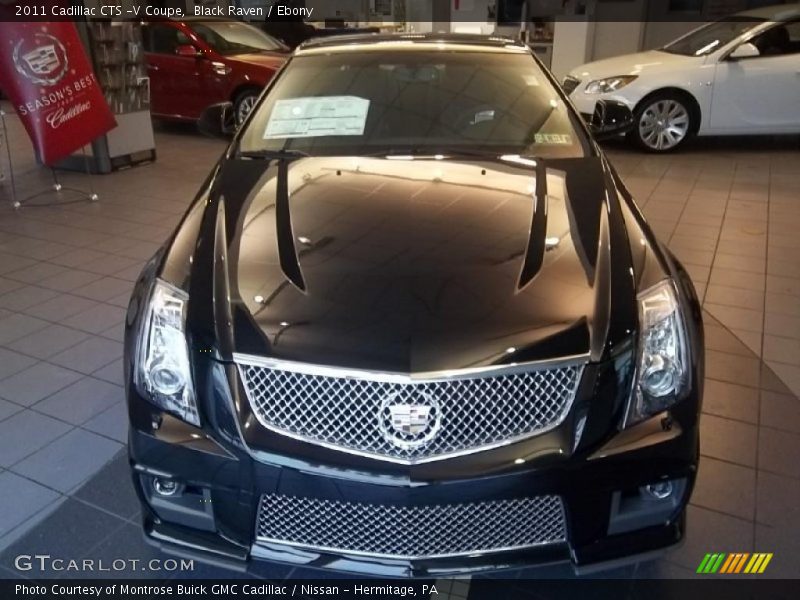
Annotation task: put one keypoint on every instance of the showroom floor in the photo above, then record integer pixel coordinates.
(729, 209)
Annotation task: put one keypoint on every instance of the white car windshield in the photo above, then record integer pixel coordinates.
(711, 37)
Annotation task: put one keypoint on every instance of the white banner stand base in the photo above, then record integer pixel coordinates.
(56, 189)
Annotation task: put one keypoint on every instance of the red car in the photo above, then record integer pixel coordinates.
(193, 63)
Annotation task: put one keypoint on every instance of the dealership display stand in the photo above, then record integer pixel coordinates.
(117, 56)
(4, 141)
(56, 190)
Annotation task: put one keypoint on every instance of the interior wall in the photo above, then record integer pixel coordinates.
(612, 38)
(658, 33)
(419, 16)
(573, 42)
(471, 16)
(619, 28)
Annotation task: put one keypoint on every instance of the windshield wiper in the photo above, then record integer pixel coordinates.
(287, 153)
(272, 154)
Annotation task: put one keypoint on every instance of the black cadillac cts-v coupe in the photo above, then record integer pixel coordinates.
(414, 324)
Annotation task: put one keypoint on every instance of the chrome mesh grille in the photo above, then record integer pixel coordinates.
(355, 414)
(410, 531)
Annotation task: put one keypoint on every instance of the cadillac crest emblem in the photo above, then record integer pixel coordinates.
(410, 422)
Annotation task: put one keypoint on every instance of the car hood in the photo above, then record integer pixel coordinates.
(640, 63)
(414, 266)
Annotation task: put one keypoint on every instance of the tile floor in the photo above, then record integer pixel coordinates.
(65, 276)
(728, 209)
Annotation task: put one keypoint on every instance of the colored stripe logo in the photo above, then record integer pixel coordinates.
(734, 563)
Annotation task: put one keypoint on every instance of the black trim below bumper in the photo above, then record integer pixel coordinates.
(213, 550)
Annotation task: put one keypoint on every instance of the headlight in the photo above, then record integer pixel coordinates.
(163, 373)
(662, 368)
(609, 84)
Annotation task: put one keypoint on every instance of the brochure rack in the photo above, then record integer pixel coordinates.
(117, 54)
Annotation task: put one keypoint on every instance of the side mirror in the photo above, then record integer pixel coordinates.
(188, 51)
(746, 50)
(217, 120)
(610, 119)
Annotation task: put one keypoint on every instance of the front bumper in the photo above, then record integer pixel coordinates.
(215, 517)
(585, 103)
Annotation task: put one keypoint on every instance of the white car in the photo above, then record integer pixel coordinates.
(737, 76)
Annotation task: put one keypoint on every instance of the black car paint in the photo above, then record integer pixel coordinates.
(397, 274)
(504, 298)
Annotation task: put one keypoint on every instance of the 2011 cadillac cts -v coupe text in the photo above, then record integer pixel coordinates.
(414, 324)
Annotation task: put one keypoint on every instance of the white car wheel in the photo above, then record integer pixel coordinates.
(663, 124)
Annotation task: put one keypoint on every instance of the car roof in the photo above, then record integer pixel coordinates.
(778, 12)
(362, 42)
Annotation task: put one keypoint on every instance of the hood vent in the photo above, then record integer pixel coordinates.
(534, 255)
(287, 252)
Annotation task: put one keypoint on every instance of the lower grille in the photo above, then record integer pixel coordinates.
(410, 532)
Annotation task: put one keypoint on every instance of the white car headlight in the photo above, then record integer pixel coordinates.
(163, 373)
(609, 84)
(662, 367)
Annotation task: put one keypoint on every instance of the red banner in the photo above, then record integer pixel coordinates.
(45, 72)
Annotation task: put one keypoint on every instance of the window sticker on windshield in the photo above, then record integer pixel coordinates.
(317, 116)
(530, 80)
(553, 138)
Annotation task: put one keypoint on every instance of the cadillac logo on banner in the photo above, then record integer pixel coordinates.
(45, 63)
(46, 74)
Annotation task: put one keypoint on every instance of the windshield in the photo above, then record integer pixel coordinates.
(711, 37)
(230, 37)
(414, 102)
